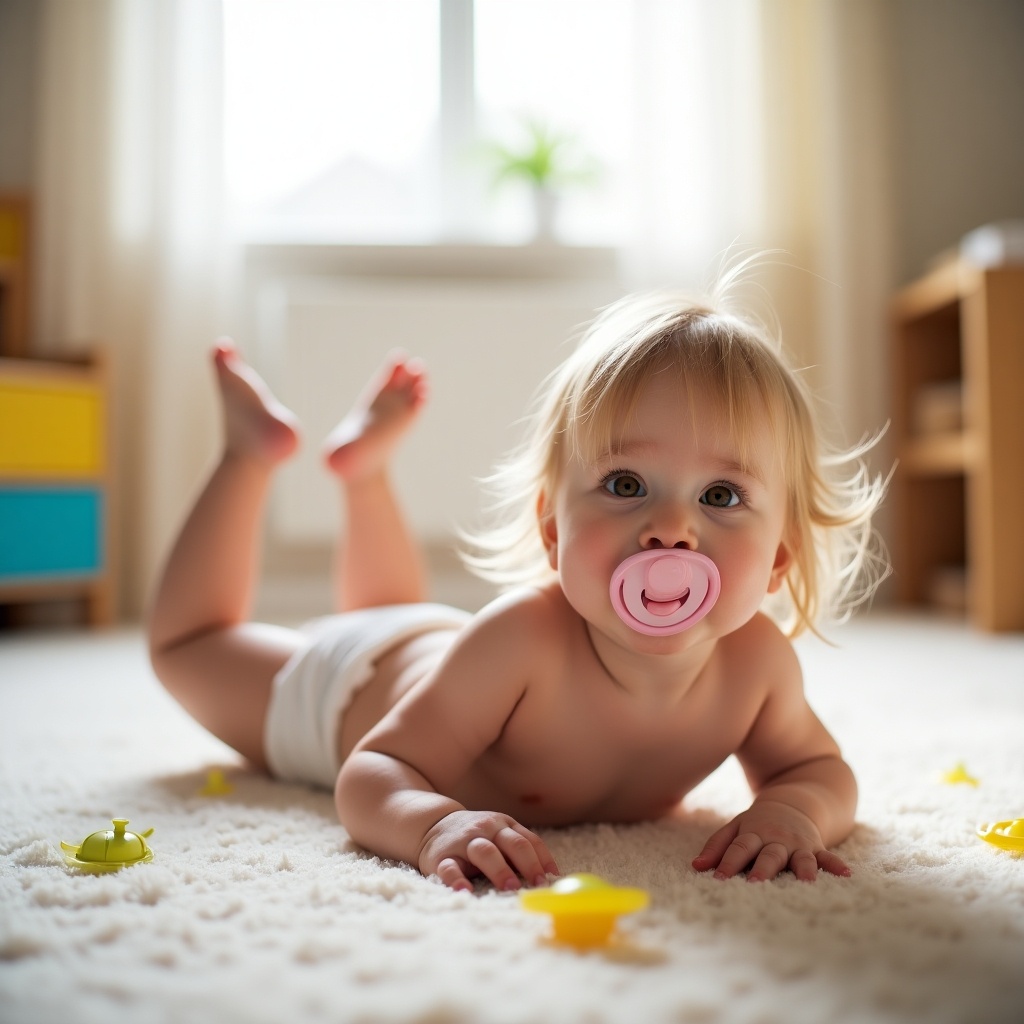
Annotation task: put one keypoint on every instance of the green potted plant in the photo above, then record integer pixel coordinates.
(547, 161)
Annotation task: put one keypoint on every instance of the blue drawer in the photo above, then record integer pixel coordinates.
(50, 532)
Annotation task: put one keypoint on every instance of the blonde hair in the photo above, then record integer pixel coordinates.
(838, 560)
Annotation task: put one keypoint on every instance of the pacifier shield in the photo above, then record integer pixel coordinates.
(665, 590)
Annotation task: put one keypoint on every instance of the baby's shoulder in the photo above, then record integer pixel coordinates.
(525, 621)
(760, 650)
(539, 609)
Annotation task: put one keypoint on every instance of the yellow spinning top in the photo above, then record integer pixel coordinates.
(1007, 835)
(583, 907)
(109, 850)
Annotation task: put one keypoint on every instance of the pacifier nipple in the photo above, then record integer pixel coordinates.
(665, 590)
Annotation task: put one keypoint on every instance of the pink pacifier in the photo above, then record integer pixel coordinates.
(664, 590)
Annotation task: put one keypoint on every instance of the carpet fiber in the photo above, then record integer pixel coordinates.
(256, 908)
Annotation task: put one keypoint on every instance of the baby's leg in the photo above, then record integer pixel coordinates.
(377, 561)
(209, 657)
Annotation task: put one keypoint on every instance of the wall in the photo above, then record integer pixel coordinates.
(488, 321)
(958, 112)
(19, 40)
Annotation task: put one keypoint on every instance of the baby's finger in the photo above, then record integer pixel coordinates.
(804, 865)
(741, 852)
(715, 847)
(833, 864)
(520, 848)
(772, 859)
(545, 856)
(483, 854)
(451, 873)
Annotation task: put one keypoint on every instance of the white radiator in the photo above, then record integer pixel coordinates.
(487, 345)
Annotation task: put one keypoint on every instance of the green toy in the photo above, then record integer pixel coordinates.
(109, 850)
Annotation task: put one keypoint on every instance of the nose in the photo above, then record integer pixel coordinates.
(670, 527)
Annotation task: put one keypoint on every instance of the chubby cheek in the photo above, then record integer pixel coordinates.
(585, 562)
(746, 575)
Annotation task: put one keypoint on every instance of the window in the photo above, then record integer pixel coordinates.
(357, 122)
(330, 116)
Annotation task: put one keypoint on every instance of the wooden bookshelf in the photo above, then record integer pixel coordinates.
(959, 490)
(15, 269)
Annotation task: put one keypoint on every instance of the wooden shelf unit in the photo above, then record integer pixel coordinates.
(55, 484)
(959, 492)
(15, 264)
(55, 479)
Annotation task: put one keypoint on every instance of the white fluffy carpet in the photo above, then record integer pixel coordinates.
(257, 909)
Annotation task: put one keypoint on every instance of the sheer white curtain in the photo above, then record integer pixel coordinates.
(762, 124)
(695, 162)
(134, 255)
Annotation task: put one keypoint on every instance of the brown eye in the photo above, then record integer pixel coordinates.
(624, 485)
(720, 496)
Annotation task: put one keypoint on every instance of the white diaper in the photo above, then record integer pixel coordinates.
(317, 683)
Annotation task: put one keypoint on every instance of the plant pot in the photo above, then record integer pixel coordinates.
(545, 213)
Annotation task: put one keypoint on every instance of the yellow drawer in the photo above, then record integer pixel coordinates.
(50, 427)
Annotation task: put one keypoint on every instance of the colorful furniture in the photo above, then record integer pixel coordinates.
(54, 484)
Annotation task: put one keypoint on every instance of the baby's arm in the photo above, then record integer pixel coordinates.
(391, 790)
(391, 808)
(805, 794)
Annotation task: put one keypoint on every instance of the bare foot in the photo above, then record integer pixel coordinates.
(362, 443)
(256, 424)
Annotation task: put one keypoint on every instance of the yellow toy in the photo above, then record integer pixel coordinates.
(959, 774)
(216, 784)
(1007, 835)
(109, 850)
(583, 908)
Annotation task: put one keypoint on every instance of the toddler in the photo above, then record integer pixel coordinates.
(673, 451)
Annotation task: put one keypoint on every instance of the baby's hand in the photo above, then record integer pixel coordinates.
(464, 844)
(771, 837)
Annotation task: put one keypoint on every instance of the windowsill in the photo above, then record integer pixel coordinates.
(448, 259)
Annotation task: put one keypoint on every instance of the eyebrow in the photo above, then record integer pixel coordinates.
(618, 449)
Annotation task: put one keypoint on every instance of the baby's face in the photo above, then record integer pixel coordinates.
(670, 479)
